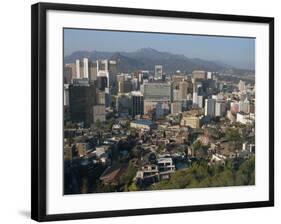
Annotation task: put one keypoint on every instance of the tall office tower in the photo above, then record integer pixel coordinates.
(123, 104)
(102, 70)
(244, 106)
(220, 108)
(157, 91)
(198, 75)
(100, 97)
(209, 75)
(200, 101)
(108, 69)
(140, 77)
(93, 71)
(66, 94)
(158, 72)
(137, 103)
(210, 107)
(241, 86)
(83, 68)
(176, 95)
(86, 68)
(120, 78)
(67, 74)
(189, 86)
(78, 65)
(195, 99)
(183, 90)
(82, 96)
(144, 75)
(135, 84)
(124, 86)
(101, 83)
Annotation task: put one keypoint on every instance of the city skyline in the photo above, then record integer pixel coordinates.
(238, 52)
(154, 121)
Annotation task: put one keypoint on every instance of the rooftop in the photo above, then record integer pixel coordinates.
(143, 122)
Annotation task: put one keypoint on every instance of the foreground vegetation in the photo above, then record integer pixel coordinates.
(234, 173)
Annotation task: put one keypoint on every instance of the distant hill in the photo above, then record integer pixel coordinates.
(147, 58)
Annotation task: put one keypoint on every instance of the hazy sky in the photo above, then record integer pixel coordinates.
(235, 51)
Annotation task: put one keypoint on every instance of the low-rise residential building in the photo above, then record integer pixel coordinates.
(165, 167)
(244, 118)
(193, 121)
(142, 124)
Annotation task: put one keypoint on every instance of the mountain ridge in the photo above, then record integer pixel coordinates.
(147, 58)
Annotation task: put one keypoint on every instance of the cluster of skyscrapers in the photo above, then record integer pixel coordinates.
(92, 89)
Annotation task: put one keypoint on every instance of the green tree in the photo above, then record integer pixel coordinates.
(232, 134)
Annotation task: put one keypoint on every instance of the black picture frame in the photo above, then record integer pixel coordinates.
(38, 108)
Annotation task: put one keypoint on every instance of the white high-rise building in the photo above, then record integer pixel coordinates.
(78, 69)
(85, 68)
(210, 107)
(200, 101)
(209, 75)
(220, 109)
(244, 106)
(82, 68)
(195, 98)
(241, 86)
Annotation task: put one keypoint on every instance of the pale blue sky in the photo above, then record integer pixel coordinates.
(235, 51)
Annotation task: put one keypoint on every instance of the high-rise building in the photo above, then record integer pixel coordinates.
(183, 90)
(198, 75)
(176, 95)
(195, 98)
(244, 106)
(158, 72)
(210, 107)
(176, 107)
(100, 97)
(65, 95)
(124, 86)
(220, 109)
(78, 66)
(83, 68)
(137, 103)
(108, 68)
(157, 91)
(120, 78)
(86, 68)
(68, 73)
(200, 101)
(135, 84)
(82, 98)
(102, 82)
(123, 104)
(209, 75)
(98, 113)
(177, 78)
(93, 71)
(241, 86)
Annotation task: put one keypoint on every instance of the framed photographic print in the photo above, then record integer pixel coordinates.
(139, 111)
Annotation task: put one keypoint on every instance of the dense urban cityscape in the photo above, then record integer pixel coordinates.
(154, 130)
